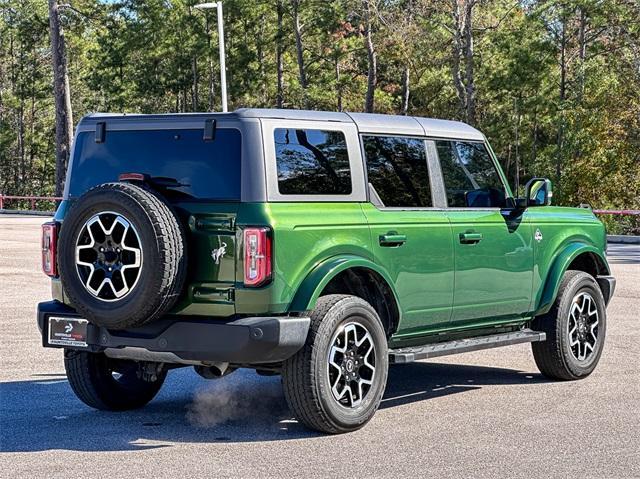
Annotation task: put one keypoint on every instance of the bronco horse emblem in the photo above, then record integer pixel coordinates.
(219, 253)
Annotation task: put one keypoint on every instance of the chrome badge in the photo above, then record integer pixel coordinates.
(219, 253)
(538, 236)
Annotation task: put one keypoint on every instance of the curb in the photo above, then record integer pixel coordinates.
(623, 239)
(27, 212)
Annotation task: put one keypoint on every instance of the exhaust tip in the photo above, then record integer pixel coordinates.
(214, 371)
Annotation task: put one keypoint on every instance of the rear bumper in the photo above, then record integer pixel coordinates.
(238, 341)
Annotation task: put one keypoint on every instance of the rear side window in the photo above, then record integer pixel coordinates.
(205, 169)
(312, 162)
(397, 170)
(470, 177)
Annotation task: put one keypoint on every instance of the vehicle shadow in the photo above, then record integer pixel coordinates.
(425, 380)
(43, 413)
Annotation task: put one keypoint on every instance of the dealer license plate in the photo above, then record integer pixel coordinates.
(68, 332)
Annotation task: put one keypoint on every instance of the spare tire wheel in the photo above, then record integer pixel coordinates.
(122, 255)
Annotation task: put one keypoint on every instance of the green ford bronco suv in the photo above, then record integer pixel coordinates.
(320, 246)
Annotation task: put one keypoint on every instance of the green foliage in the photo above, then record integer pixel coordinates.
(572, 117)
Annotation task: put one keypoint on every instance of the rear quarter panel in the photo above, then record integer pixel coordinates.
(304, 235)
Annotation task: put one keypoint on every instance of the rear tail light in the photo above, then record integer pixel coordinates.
(49, 246)
(257, 256)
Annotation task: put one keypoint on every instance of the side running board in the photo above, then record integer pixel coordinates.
(407, 355)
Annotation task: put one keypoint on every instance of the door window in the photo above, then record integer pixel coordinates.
(312, 162)
(397, 170)
(470, 177)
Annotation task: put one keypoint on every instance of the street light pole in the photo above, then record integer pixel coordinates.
(223, 69)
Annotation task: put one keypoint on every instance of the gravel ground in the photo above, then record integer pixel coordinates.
(484, 414)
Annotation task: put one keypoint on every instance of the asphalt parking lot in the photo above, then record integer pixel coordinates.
(484, 414)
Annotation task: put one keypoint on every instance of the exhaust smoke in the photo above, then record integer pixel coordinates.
(244, 396)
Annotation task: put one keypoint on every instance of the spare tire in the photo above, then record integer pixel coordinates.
(122, 255)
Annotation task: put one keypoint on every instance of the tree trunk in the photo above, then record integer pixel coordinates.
(279, 52)
(20, 179)
(456, 54)
(32, 120)
(534, 147)
(562, 97)
(299, 51)
(516, 103)
(405, 90)
(563, 63)
(338, 86)
(260, 54)
(469, 63)
(582, 45)
(64, 119)
(194, 86)
(372, 73)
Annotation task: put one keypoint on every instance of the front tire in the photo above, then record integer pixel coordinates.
(107, 384)
(575, 327)
(335, 383)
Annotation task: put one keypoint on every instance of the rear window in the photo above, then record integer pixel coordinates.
(312, 162)
(206, 169)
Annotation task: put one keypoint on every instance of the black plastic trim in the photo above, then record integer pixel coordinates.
(209, 129)
(607, 286)
(100, 131)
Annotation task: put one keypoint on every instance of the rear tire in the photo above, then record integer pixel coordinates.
(575, 327)
(107, 384)
(336, 391)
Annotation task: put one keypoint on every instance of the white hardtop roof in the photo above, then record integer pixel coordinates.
(366, 122)
(374, 122)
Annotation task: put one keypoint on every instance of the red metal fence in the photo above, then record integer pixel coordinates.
(4, 199)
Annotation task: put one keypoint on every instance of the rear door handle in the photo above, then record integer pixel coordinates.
(392, 239)
(470, 238)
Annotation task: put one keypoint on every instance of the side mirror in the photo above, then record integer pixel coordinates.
(538, 192)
